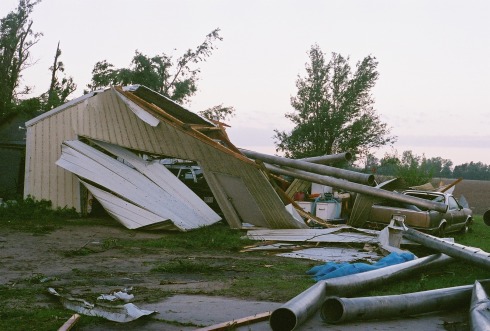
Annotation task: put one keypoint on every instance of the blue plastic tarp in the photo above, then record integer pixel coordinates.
(332, 269)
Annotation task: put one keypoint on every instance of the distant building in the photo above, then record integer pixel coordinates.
(12, 152)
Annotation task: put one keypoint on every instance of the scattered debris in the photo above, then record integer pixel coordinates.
(122, 314)
(337, 254)
(119, 295)
(331, 235)
(70, 323)
(237, 322)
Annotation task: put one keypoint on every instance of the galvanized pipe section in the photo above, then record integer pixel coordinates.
(352, 176)
(297, 310)
(471, 254)
(339, 310)
(329, 159)
(479, 308)
(358, 188)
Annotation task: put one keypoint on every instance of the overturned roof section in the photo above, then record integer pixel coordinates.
(146, 122)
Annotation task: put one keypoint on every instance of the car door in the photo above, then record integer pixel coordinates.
(457, 215)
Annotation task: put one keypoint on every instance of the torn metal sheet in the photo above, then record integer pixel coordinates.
(133, 186)
(122, 314)
(127, 213)
(119, 295)
(332, 235)
(271, 247)
(336, 254)
(161, 176)
(480, 307)
(290, 209)
(138, 111)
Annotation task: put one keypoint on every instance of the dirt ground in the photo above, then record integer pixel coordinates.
(53, 258)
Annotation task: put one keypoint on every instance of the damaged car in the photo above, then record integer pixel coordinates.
(456, 219)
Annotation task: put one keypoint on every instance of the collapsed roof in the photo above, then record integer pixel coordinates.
(142, 121)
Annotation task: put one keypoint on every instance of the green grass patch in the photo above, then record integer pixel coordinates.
(274, 279)
(217, 237)
(36, 216)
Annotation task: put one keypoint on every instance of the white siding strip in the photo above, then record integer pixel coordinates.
(128, 214)
(138, 111)
(100, 168)
(164, 178)
(332, 235)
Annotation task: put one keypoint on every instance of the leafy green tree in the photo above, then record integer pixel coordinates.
(472, 170)
(16, 40)
(59, 90)
(174, 79)
(334, 109)
(440, 167)
(218, 113)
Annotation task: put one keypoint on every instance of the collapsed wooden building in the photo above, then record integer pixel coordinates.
(139, 121)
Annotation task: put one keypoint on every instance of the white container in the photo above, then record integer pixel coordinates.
(328, 210)
(305, 205)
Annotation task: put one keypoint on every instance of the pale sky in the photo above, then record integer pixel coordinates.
(434, 59)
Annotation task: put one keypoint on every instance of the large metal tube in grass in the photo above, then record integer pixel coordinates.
(480, 307)
(321, 169)
(297, 310)
(339, 310)
(471, 254)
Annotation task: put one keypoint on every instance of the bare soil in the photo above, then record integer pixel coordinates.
(79, 260)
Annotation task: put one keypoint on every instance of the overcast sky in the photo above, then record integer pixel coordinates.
(434, 59)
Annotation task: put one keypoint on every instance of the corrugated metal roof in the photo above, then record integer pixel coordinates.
(61, 108)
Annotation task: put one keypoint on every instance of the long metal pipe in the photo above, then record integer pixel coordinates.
(321, 169)
(297, 310)
(339, 310)
(480, 308)
(329, 159)
(358, 188)
(471, 254)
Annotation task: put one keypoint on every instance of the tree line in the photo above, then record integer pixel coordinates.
(418, 169)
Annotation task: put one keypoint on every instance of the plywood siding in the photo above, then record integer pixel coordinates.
(106, 117)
